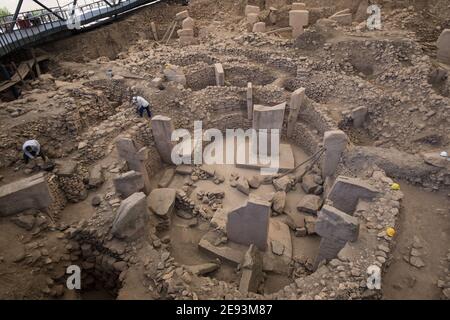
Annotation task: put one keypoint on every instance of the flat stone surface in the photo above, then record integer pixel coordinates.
(66, 168)
(131, 217)
(286, 160)
(162, 201)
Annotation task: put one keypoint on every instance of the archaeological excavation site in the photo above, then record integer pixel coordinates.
(225, 150)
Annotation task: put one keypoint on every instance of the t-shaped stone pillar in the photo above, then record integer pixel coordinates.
(297, 98)
(127, 150)
(298, 19)
(334, 142)
(249, 224)
(336, 228)
(268, 118)
(162, 129)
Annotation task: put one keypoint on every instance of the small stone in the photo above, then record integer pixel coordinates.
(277, 247)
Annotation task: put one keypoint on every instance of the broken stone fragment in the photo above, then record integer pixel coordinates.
(202, 269)
(309, 204)
(310, 184)
(96, 177)
(282, 184)
(25, 221)
(242, 185)
(310, 224)
(277, 247)
(255, 181)
(162, 201)
(279, 202)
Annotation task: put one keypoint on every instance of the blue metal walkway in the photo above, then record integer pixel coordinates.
(33, 29)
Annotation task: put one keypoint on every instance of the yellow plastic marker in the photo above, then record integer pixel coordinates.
(390, 232)
(395, 186)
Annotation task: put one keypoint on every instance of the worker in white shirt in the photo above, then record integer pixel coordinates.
(32, 150)
(142, 105)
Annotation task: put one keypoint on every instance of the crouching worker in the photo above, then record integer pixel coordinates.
(32, 150)
(142, 105)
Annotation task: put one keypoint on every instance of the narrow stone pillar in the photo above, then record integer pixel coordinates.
(249, 101)
(334, 142)
(136, 159)
(298, 19)
(220, 74)
(336, 228)
(162, 128)
(297, 98)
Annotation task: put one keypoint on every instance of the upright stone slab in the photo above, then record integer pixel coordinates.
(334, 142)
(252, 270)
(128, 183)
(265, 117)
(249, 101)
(336, 228)
(131, 217)
(28, 193)
(188, 23)
(249, 224)
(259, 27)
(443, 45)
(346, 192)
(359, 116)
(297, 98)
(269, 118)
(220, 74)
(162, 128)
(136, 158)
(298, 19)
(252, 18)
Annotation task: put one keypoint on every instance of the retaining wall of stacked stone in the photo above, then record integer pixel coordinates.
(58, 196)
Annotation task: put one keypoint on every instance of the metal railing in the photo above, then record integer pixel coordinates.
(33, 26)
